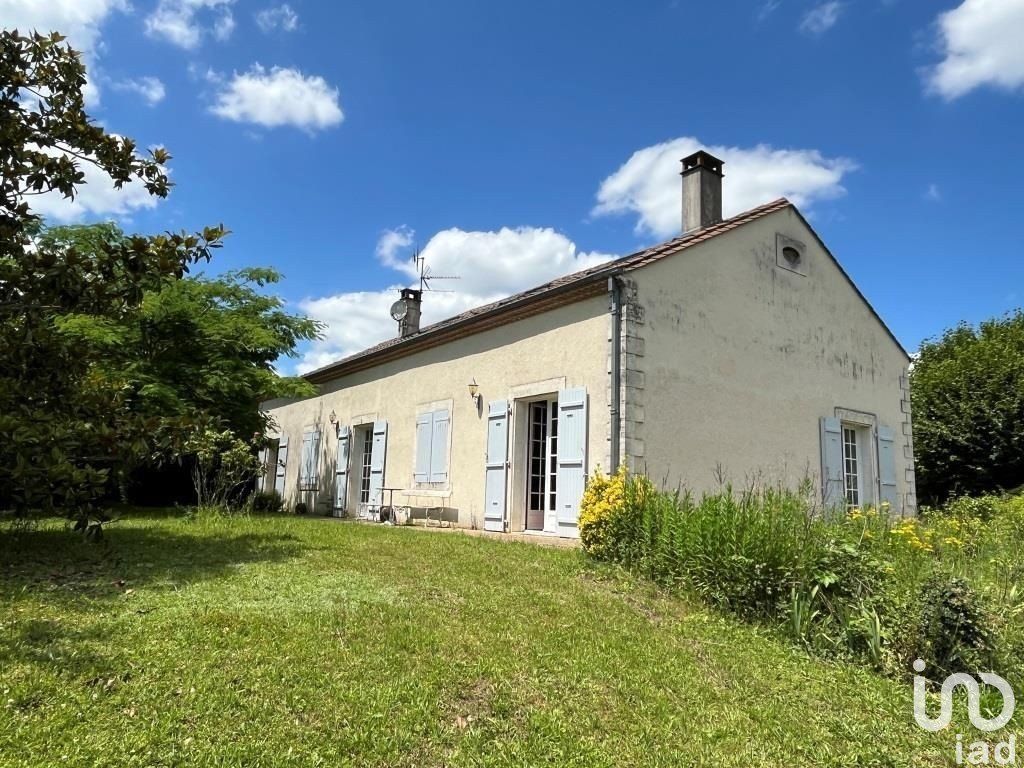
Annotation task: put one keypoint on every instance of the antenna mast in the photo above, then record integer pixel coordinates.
(425, 275)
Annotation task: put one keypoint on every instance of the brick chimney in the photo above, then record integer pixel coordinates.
(409, 319)
(702, 191)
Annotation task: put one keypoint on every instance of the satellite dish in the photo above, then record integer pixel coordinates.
(399, 310)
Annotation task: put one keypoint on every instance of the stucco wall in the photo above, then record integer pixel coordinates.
(564, 347)
(740, 358)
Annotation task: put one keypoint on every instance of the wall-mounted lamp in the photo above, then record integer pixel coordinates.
(474, 391)
(333, 418)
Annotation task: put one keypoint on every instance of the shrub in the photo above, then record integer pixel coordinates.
(224, 467)
(955, 633)
(266, 503)
(971, 508)
(602, 500)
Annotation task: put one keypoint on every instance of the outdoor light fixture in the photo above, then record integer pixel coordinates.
(474, 391)
(333, 418)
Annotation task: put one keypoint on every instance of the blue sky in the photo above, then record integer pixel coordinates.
(514, 142)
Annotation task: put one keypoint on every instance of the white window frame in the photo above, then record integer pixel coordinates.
(853, 465)
(439, 488)
(365, 452)
(549, 470)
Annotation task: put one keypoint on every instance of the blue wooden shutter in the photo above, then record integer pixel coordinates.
(495, 480)
(341, 470)
(310, 455)
(282, 465)
(261, 484)
(424, 435)
(572, 454)
(887, 468)
(832, 484)
(439, 447)
(307, 445)
(314, 461)
(378, 457)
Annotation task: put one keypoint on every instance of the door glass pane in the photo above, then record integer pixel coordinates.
(538, 455)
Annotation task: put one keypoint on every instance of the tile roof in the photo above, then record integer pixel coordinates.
(400, 346)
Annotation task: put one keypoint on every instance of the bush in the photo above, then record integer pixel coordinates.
(266, 503)
(955, 634)
(971, 508)
(602, 498)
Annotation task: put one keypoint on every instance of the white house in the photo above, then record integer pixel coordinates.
(740, 349)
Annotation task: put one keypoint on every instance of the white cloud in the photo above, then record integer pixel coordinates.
(279, 97)
(78, 20)
(151, 89)
(981, 45)
(96, 198)
(280, 17)
(182, 21)
(821, 18)
(390, 243)
(648, 182)
(223, 26)
(491, 265)
(933, 193)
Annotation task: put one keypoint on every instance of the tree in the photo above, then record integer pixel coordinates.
(967, 393)
(201, 344)
(60, 437)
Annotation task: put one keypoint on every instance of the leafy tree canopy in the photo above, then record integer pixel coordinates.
(69, 420)
(967, 393)
(200, 344)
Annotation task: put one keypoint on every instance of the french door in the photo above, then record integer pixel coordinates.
(542, 463)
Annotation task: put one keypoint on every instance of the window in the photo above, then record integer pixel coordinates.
(364, 467)
(432, 446)
(851, 467)
(790, 254)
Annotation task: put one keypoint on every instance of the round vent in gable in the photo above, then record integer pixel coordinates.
(791, 255)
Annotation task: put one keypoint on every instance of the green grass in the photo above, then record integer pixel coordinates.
(289, 641)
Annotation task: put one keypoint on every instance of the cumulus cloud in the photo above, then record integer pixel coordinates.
(492, 265)
(151, 89)
(96, 198)
(78, 20)
(280, 17)
(648, 185)
(980, 42)
(278, 97)
(185, 22)
(821, 18)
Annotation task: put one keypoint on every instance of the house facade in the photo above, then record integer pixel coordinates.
(739, 352)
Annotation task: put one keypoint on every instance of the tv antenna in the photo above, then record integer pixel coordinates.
(426, 275)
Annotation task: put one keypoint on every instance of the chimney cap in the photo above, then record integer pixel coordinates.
(702, 159)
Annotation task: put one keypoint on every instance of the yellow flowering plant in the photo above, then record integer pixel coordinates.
(602, 501)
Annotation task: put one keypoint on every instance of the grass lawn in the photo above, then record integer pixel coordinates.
(291, 641)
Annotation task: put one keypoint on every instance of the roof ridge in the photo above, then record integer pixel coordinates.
(628, 262)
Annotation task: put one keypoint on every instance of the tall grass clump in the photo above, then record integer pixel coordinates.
(858, 583)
